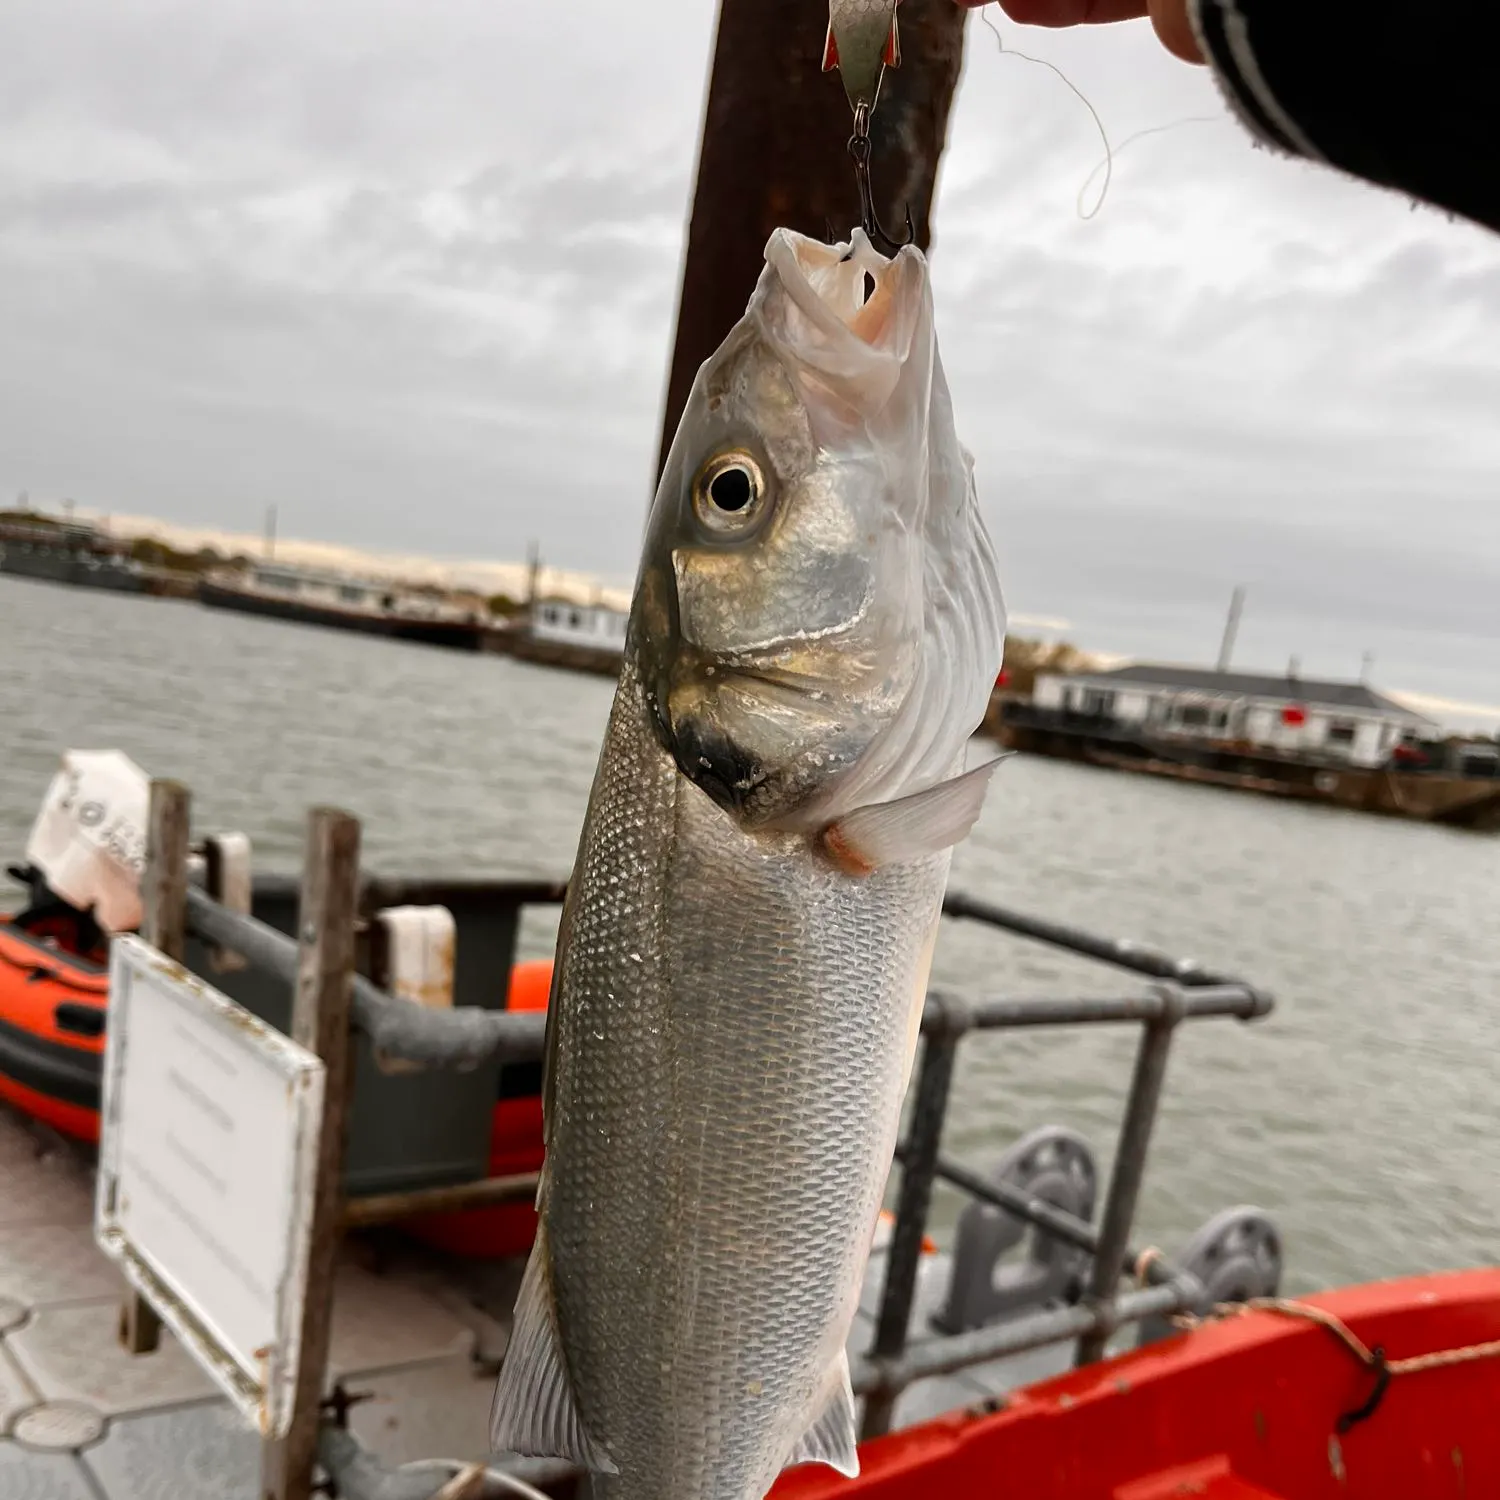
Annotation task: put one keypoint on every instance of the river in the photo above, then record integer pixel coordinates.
(1362, 1115)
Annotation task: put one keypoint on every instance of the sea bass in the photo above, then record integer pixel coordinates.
(816, 629)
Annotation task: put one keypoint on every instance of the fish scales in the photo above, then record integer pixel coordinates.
(749, 928)
(737, 999)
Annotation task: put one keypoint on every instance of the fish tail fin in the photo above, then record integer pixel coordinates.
(831, 1439)
(534, 1411)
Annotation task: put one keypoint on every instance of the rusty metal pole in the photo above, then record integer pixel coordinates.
(774, 155)
(320, 1022)
(163, 925)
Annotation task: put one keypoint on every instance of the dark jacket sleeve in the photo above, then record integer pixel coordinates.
(1403, 93)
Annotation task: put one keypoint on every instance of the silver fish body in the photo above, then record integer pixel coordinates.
(752, 913)
(737, 1020)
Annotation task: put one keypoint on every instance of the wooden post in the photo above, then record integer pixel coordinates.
(164, 926)
(320, 1022)
(226, 876)
(164, 892)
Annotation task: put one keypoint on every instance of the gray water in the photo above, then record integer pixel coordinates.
(1362, 1115)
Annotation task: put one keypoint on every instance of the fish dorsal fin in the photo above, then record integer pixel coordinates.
(534, 1412)
(926, 822)
(831, 1439)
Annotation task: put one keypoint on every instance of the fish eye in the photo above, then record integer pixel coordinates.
(729, 492)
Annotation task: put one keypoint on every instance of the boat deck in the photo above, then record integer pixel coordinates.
(81, 1419)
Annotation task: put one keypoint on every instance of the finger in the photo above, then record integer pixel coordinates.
(1175, 30)
(1070, 12)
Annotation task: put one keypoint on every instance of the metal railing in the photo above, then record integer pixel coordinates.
(1177, 990)
(892, 1364)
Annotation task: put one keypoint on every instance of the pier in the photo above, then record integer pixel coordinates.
(117, 1383)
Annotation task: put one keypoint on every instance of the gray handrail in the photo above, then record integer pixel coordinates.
(465, 1036)
(460, 1038)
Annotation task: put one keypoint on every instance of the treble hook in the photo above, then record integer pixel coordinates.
(869, 219)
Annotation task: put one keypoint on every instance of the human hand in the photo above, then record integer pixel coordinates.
(1168, 16)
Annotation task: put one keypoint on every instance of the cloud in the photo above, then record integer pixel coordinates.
(410, 274)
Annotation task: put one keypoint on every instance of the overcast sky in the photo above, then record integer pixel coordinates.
(409, 272)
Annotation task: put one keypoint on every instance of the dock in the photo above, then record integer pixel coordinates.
(417, 1338)
(113, 1384)
(522, 645)
(1459, 802)
(1339, 744)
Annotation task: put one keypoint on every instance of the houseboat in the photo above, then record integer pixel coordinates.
(343, 602)
(559, 632)
(1341, 743)
(71, 553)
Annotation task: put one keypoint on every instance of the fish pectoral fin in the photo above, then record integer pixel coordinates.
(832, 1439)
(534, 1412)
(926, 822)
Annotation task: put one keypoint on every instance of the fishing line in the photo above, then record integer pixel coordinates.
(1041, 62)
(453, 1468)
(1107, 166)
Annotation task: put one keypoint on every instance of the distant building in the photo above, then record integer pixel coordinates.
(565, 623)
(1335, 721)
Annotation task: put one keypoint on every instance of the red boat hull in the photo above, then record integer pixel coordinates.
(1243, 1409)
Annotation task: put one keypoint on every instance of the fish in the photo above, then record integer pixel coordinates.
(745, 944)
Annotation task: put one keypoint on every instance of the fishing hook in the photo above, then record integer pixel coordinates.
(869, 219)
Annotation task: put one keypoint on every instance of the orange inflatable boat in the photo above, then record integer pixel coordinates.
(54, 989)
(54, 996)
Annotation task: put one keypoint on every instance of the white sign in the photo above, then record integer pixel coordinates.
(207, 1155)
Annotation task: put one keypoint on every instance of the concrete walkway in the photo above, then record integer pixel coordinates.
(80, 1419)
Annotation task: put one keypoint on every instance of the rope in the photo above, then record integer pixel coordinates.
(1148, 1257)
(463, 1477)
(1371, 1358)
(1414, 1365)
(1385, 1370)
